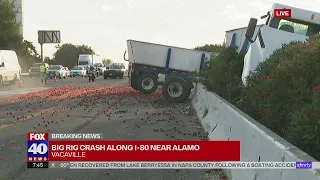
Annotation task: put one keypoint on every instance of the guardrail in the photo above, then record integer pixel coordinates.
(223, 121)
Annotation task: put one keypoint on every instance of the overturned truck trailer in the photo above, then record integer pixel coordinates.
(148, 60)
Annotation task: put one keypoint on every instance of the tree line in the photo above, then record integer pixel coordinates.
(10, 39)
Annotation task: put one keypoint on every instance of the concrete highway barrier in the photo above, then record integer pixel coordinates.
(223, 121)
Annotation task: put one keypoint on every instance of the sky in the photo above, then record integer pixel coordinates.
(105, 25)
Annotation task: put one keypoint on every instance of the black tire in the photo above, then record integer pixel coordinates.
(133, 82)
(143, 82)
(134, 85)
(169, 83)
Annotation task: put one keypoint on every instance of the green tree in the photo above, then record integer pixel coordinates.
(107, 62)
(217, 48)
(11, 39)
(222, 74)
(27, 54)
(85, 48)
(48, 60)
(31, 49)
(67, 54)
(9, 30)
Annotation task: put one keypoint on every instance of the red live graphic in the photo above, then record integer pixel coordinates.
(282, 13)
(144, 151)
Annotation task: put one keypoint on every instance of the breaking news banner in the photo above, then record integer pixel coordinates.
(144, 151)
(64, 152)
(67, 147)
(186, 165)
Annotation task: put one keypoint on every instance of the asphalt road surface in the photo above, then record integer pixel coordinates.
(74, 105)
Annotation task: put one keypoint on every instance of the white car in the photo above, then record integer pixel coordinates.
(100, 67)
(78, 71)
(56, 71)
(67, 71)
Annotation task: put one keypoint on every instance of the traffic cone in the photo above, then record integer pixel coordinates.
(20, 83)
(55, 79)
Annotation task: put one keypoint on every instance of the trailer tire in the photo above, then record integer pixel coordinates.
(134, 85)
(175, 90)
(133, 81)
(147, 83)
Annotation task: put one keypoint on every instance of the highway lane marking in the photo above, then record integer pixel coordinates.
(24, 119)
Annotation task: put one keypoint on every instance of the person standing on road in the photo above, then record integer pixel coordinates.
(43, 73)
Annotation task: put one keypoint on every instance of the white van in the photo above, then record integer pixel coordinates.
(10, 70)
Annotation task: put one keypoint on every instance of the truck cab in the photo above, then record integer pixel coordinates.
(85, 60)
(276, 32)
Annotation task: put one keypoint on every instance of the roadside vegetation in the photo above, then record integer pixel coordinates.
(10, 38)
(283, 94)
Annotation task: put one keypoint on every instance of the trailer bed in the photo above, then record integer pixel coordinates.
(156, 55)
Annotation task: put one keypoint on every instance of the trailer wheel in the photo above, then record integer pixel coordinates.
(147, 83)
(175, 90)
(133, 81)
(134, 85)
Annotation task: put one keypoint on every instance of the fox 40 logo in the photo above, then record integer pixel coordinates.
(38, 146)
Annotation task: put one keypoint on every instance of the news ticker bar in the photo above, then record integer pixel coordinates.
(176, 165)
